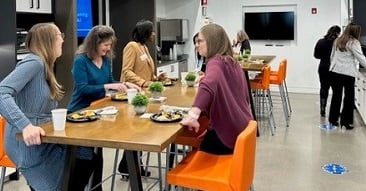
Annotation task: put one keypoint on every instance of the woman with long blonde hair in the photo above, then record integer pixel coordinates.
(27, 96)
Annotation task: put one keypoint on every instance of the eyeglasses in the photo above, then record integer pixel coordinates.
(62, 35)
(200, 41)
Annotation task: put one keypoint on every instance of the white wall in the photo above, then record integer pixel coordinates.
(302, 74)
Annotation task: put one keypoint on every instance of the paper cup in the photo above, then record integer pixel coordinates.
(131, 93)
(59, 119)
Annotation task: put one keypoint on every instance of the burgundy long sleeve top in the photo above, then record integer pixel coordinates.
(223, 94)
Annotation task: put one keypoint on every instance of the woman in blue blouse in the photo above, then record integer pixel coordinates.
(27, 96)
(92, 72)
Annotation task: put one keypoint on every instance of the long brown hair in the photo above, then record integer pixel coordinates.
(98, 34)
(41, 40)
(241, 36)
(351, 32)
(217, 40)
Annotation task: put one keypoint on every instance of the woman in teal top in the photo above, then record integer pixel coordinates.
(92, 73)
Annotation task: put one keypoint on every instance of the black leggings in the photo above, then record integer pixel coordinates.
(83, 171)
(211, 143)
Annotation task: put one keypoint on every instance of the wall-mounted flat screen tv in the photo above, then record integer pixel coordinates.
(85, 17)
(270, 25)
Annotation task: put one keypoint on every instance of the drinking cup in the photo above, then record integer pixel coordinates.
(131, 93)
(59, 119)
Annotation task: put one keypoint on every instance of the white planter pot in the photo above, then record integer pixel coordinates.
(190, 83)
(140, 109)
(156, 95)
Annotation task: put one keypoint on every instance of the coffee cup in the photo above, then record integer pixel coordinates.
(59, 119)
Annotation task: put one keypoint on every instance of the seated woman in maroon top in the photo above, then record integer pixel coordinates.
(222, 93)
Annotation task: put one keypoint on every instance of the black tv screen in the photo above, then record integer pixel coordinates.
(270, 25)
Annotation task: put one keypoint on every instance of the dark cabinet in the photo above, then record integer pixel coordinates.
(7, 37)
(123, 17)
(359, 17)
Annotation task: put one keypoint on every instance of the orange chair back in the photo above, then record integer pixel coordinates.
(285, 68)
(191, 138)
(279, 76)
(242, 167)
(2, 129)
(4, 159)
(263, 82)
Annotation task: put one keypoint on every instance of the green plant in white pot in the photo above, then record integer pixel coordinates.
(190, 79)
(140, 102)
(156, 88)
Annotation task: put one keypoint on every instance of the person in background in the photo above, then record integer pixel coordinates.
(200, 60)
(92, 75)
(322, 51)
(27, 96)
(242, 42)
(138, 66)
(224, 80)
(344, 59)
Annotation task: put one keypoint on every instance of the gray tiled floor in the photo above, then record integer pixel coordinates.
(292, 158)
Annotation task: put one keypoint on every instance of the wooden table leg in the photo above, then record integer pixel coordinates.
(134, 170)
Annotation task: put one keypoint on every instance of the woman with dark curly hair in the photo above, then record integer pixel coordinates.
(322, 51)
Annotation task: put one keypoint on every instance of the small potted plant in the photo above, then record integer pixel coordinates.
(156, 88)
(190, 79)
(140, 102)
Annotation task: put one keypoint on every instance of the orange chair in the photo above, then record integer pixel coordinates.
(274, 73)
(204, 171)
(189, 139)
(278, 78)
(4, 159)
(262, 96)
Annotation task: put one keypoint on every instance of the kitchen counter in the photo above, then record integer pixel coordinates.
(167, 62)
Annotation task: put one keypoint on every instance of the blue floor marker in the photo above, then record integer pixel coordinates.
(327, 126)
(333, 168)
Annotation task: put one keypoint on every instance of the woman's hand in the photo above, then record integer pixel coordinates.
(116, 86)
(191, 120)
(162, 76)
(130, 85)
(200, 77)
(32, 135)
(191, 123)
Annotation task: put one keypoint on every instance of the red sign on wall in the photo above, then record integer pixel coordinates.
(204, 2)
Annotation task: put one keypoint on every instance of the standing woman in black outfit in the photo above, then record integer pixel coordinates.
(322, 51)
(242, 42)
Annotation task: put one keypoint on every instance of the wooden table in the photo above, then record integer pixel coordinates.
(124, 131)
(265, 58)
(257, 62)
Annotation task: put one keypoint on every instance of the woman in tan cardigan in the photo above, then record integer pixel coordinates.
(138, 65)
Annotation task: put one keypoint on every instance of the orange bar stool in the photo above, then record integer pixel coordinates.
(284, 84)
(4, 159)
(278, 78)
(262, 97)
(205, 171)
(190, 141)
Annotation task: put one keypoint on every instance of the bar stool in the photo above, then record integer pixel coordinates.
(262, 96)
(205, 171)
(278, 78)
(4, 159)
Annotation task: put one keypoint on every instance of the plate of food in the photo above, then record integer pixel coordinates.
(168, 82)
(82, 116)
(167, 117)
(119, 97)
